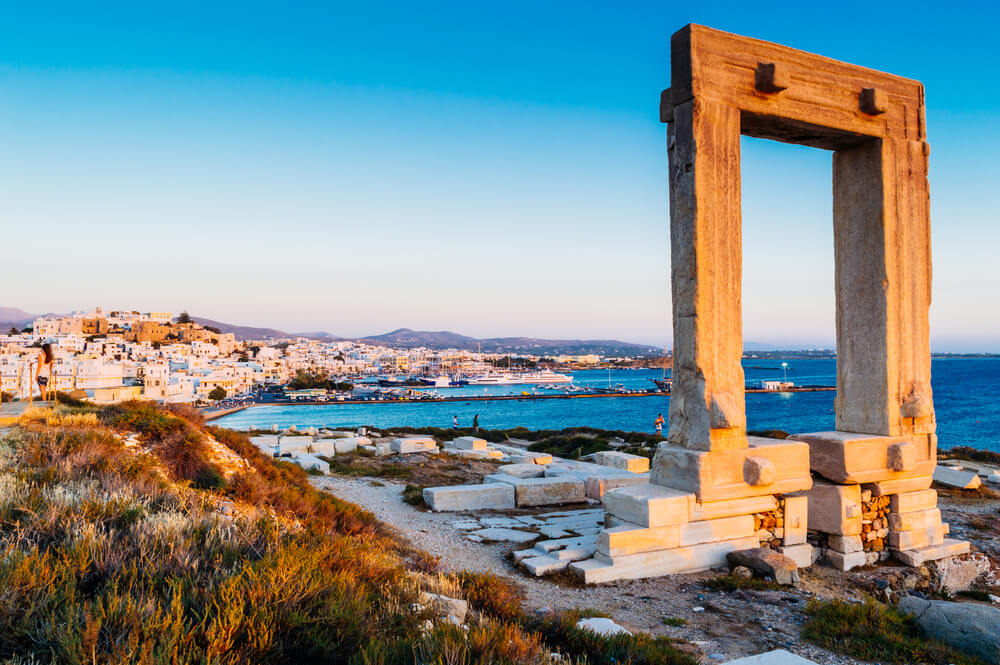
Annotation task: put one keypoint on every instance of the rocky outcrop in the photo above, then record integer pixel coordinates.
(970, 627)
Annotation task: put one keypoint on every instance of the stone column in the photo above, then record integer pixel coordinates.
(707, 408)
(881, 220)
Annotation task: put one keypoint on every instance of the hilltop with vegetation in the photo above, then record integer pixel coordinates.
(137, 534)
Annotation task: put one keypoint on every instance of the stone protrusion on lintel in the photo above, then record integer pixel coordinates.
(769, 78)
(666, 107)
(873, 101)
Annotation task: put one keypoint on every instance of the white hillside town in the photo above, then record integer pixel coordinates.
(111, 356)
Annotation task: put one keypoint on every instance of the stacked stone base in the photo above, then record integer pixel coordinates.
(894, 513)
(653, 530)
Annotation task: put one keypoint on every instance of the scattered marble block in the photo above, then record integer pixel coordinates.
(505, 534)
(414, 444)
(602, 626)
(491, 496)
(649, 505)
(596, 487)
(767, 466)
(696, 558)
(531, 470)
(541, 491)
(310, 462)
(475, 454)
(544, 565)
(290, 444)
(850, 457)
(960, 478)
(383, 449)
(834, 509)
(776, 657)
(469, 443)
(920, 556)
(624, 461)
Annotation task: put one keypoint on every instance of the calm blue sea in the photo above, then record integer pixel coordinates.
(966, 398)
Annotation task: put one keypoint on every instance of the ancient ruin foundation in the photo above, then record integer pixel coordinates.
(874, 472)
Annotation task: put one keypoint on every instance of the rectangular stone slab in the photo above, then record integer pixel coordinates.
(624, 461)
(960, 478)
(917, 519)
(796, 520)
(899, 486)
(469, 443)
(910, 501)
(492, 496)
(719, 475)
(409, 445)
(920, 556)
(649, 505)
(692, 559)
(911, 540)
(713, 510)
(850, 457)
(834, 509)
(542, 491)
(801, 554)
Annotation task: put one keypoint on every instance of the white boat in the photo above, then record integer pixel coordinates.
(519, 378)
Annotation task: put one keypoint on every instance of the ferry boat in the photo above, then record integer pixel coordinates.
(520, 378)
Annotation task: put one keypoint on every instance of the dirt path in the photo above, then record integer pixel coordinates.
(728, 625)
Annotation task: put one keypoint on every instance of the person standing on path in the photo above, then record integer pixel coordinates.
(454, 422)
(45, 360)
(475, 422)
(658, 424)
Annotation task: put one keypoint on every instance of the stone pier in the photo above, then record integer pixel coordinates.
(713, 487)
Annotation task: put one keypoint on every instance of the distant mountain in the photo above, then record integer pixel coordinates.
(13, 317)
(405, 338)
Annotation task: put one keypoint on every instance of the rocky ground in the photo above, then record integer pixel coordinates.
(719, 625)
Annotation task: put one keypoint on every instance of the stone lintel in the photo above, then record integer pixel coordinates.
(850, 457)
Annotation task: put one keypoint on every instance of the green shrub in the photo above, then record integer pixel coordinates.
(414, 495)
(733, 582)
(872, 631)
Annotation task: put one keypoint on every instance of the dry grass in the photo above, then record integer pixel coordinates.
(113, 555)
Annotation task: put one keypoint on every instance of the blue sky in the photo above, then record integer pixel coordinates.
(493, 169)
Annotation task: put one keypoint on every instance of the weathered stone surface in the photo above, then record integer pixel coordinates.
(969, 627)
(851, 457)
(845, 544)
(446, 606)
(711, 531)
(541, 491)
(631, 538)
(291, 444)
(505, 534)
(491, 496)
(922, 555)
(596, 487)
(531, 470)
(414, 444)
(712, 510)
(624, 461)
(916, 539)
(649, 505)
(469, 443)
(310, 462)
(908, 502)
(835, 509)
(796, 524)
(759, 471)
(899, 485)
(719, 475)
(802, 555)
(766, 562)
(902, 456)
(845, 560)
(959, 573)
(692, 559)
(918, 519)
(960, 478)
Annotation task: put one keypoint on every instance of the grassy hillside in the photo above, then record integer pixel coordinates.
(136, 534)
